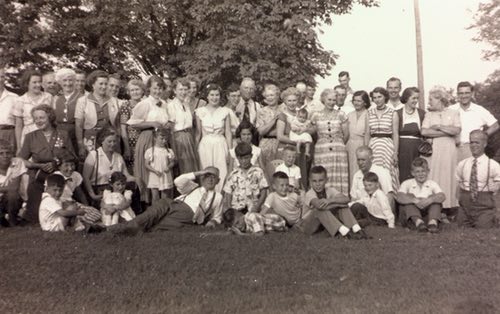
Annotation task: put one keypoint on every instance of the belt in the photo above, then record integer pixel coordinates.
(410, 137)
(269, 136)
(6, 127)
(185, 130)
(381, 135)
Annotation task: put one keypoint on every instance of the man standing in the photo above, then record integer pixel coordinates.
(247, 108)
(80, 82)
(344, 80)
(346, 107)
(472, 117)
(7, 120)
(479, 178)
(49, 84)
(393, 86)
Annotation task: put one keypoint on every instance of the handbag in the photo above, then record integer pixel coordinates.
(425, 148)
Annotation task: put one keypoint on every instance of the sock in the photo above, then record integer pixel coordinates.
(418, 222)
(432, 222)
(343, 230)
(356, 228)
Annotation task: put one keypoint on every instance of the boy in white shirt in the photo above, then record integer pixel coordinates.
(289, 167)
(419, 197)
(374, 208)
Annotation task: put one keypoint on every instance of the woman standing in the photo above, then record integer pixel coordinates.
(410, 122)
(65, 104)
(129, 135)
(330, 150)
(149, 114)
(39, 152)
(34, 96)
(182, 140)
(214, 137)
(357, 121)
(442, 125)
(192, 100)
(382, 134)
(94, 112)
(267, 117)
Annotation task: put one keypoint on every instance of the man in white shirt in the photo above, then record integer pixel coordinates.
(247, 108)
(472, 117)
(344, 79)
(478, 178)
(343, 104)
(200, 205)
(7, 120)
(394, 87)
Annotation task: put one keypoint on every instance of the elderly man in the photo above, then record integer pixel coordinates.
(247, 108)
(479, 178)
(472, 117)
(343, 105)
(393, 87)
(49, 83)
(7, 120)
(11, 170)
(200, 205)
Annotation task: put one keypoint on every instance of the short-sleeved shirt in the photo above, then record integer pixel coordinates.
(256, 151)
(72, 182)
(473, 118)
(149, 109)
(425, 190)
(180, 114)
(102, 167)
(292, 172)
(288, 207)
(86, 110)
(37, 147)
(384, 179)
(311, 195)
(245, 186)
(115, 198)
(49, 219)
(7, 105)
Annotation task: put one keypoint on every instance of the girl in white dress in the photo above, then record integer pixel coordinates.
(116, 201)
(213, 134)
(159, 160)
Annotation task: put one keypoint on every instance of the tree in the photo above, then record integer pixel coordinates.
(487, 22)
(217, 40)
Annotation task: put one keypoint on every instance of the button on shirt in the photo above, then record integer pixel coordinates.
(425, 190)
(358, 189)
(473, 118)
(86, 110)
(245, 186)
(192, 193)
(464, 169)
(7, 104)
(180, 114)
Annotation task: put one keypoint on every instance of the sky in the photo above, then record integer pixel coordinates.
(377, 43)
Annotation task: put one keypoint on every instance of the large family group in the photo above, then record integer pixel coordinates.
(95, 153)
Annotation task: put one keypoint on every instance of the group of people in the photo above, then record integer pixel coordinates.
(171, 153)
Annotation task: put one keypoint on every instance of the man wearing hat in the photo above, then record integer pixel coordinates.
(200, 205)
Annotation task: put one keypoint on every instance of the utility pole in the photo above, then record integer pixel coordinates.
(420, 64)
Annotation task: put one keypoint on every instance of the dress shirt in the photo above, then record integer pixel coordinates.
(253, 108)
(473, 118)
(384, 178)
(378, 206)
(464, 170)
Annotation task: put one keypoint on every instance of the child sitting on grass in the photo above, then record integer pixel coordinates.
(252, 223)
(52, 215)
(375, 207)
(116, 200)
(290, 168)
(159, 160)
(420, 197)
(298, 131)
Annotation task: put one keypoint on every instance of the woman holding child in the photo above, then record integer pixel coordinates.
(330, 150)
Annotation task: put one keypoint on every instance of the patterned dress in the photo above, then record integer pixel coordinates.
(381, 141)
(268, 143)
(330, 150)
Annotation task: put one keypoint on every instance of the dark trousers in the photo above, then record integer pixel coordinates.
(479, 214)
(35, 190)
(10, 203)
(364, 217)
(165, 214)
(408, 211)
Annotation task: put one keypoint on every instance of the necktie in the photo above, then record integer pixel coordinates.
(473, 181)
(246, 113)
(199, 216)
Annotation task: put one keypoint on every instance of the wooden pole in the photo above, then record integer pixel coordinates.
(420, 64)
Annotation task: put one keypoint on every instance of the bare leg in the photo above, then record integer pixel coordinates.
(155, 194)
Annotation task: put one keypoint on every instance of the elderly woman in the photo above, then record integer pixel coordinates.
(94, 112)
(149, 114)
(65, 104)
(356, 120)
(442, 125)
(214, 136)
(267, 117)
(382, 124)
(330, 150)
(101, 163)
(183, 142)
(290, 97)
(39, 152)
(32, 82)
(136, 90)
(410, 123)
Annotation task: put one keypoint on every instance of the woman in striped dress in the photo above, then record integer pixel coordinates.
(382, 134)
(330, 150)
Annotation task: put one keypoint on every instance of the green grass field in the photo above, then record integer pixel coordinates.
(456, 271)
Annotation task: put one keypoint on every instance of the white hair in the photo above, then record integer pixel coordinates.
(64, 72)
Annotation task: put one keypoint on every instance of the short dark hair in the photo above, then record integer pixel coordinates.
(280, 175)
(182, 81)
(407, 93)
(303, 111)
(465, 84)
(4, 144)
(92, 77)
(419, 162)
(364, 97)
(55, 180)
(115, 76)
(26, 77)
(242, 149)
(380, 90)
(393, 79)
(340, 87)
(102, 134)
(157, 80)
(318, 170)
(117, 176)
(64, 155)
(370, 177)
(344, 73)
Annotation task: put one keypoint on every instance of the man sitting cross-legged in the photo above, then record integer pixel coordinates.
(197, 205)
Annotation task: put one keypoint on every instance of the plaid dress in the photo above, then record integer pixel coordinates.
(330, 150)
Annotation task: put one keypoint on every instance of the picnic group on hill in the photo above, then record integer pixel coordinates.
(94, 152)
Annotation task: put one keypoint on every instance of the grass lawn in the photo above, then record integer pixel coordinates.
(456, 271)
